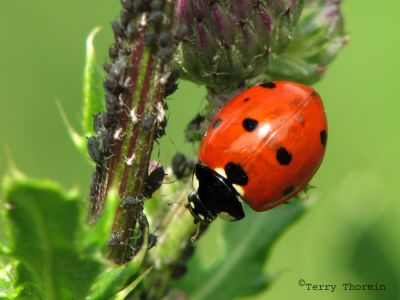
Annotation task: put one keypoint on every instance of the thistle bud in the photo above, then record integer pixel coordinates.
(231, 42)
(317, 39)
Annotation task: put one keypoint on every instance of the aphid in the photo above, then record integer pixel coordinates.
(181, 166)
(93, 146)
(153, 181)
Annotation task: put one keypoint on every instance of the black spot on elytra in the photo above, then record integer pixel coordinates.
(288, 190)
(217, 123)
(235, 174)
(323, 135)
(268, 85)
(249, 124)
(246, 99)
(283, 156)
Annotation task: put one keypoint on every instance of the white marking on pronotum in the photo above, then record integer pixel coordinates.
(221, 172)
(239, 189)
(226, 216)
(129, 160)
(195, 182)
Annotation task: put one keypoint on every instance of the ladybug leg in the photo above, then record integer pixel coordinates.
(197, 209)
(200, 230)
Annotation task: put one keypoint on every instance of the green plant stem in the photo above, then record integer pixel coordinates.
(132, 158)
(139, 98)
(175, 236)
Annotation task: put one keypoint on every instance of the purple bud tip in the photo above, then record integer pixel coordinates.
(265, 19)
(320, 69)
(293, 4)
(202, 37)
(332, 12)
(218, 20)
(180, 12)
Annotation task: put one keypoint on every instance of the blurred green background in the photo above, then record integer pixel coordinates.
(350, 235)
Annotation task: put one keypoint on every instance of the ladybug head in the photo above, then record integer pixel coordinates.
(214, 196)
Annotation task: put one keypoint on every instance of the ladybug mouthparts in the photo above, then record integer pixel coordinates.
(214, 196)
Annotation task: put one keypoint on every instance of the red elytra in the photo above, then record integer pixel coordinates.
(276, 133)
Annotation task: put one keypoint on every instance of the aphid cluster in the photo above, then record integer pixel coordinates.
(142, 26)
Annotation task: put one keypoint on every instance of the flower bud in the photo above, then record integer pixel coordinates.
(228, 43)
(317, 39)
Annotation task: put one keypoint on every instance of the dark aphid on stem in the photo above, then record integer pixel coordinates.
(113, 51)
(115, 240)
(171, 85)
(182, 166)
(192, 131)
(138, 5)
(165, 40)
(165, 54)
(106, 142)
(93, 146)
(188, 252)
(100, 122)
(152, 241)
(125, 17)
(131, 30)
(112, 103)
(160, 130)
(112, 86)
(156, 17)
(147, 122)
(130, 201)
(117, 69)
(178, 270)
(153, 181)
(118, 30)
(181, 32)
(95, 186)
(156, 4)
(150, 39)
(127, 4)
(143, 229)
(107, 67)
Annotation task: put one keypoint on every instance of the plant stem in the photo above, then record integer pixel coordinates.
(135, 110)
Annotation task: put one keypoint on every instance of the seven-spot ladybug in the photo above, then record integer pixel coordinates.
(262, 147)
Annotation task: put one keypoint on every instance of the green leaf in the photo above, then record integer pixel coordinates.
(93, 92)
(239, 270)
(112, 282)
(128, 290)
(7, 290)
(97, 235)
(93, 97)
(44, 227)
